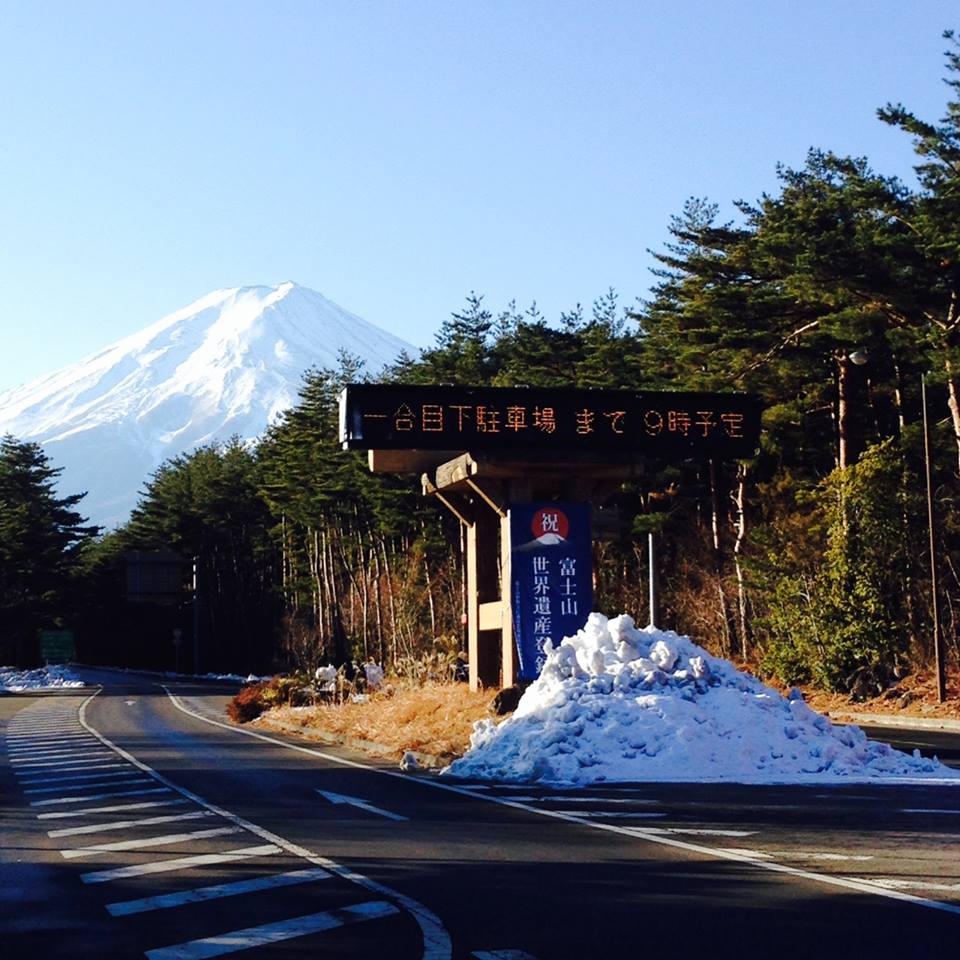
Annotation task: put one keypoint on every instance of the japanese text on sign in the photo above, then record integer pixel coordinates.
(448, 418)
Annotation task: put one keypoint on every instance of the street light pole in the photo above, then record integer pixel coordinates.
(937, 643)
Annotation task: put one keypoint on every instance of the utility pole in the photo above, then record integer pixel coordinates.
(652, 560)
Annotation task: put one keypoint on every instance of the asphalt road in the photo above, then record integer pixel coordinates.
(132, 825)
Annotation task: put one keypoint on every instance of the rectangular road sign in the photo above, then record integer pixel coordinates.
(57, 646)
(512, 420)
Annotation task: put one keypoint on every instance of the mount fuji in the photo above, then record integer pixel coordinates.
(225, 365)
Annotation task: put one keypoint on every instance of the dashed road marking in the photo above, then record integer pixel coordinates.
(168, 840)
(130, 780)
(897, 884)
(113, 808)
(51, 759)
(561, 798)
(54, 750)
(74, 764)
(930, 810)
(693, 831)
(615, 814)
(180, 863)
(78, 777)
(216, 891)
(99, 796)
(33, 777)
(274, 932)
(125, 824)
(817, 855)
(502, 955)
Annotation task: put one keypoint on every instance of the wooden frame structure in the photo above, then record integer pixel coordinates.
(478, 490)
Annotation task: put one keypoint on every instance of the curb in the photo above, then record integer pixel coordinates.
(165, 675)
(49, 692)
(896, 722)
(426, 760)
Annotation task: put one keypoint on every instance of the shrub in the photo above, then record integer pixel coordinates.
(248, 704)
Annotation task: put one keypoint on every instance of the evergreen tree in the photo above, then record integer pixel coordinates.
(41, 536)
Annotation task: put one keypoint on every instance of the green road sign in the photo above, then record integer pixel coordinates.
(57, 646)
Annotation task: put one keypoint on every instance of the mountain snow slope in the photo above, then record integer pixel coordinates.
(225, 365)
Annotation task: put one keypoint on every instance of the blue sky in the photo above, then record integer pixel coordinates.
(396, 154)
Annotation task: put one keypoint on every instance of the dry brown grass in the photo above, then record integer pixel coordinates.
(914, 696)
(435, 719)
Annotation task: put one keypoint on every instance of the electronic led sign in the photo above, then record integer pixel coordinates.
(561, 421)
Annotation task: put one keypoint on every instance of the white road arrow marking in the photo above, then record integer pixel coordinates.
(362, 804)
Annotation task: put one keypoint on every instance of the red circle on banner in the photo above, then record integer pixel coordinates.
(550, 520)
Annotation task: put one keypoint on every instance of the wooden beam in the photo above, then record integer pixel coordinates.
(454, 471)
(487, 496)
(491, 615)
(509, 656)
(406, 461)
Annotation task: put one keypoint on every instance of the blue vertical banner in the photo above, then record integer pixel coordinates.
(551, 576)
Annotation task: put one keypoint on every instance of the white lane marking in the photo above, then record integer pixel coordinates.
(99, 796)
(269, 933)
(817, 855)
(86, 755)
(52, 759)
(170, 838)
(45, 732)
(911, 884)
(131, 779)
(757, 855)
(181, 863)
(668, 841)
(50, 723)
(930, 810)
(362, 804)
(21, 744)
(114, 808)
(436, 939)
(615, 814)
(96, 769)
(163, 901)
(62, 736)
(844, 796)
(54, 749)
(560, 798)
(35, 765)
(502, 955)
(124, 824)
(74, 777)
(694, 831)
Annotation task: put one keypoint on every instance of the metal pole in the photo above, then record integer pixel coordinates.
(652, 564)
(937, 643)
(196, 615)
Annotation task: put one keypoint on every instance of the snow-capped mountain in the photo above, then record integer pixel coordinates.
(225, 365)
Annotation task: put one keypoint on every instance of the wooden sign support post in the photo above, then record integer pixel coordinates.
(478, 492)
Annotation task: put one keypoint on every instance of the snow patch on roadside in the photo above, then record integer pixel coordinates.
(614, 703)
(16, 680)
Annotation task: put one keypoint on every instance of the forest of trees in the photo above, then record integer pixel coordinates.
(831, 298)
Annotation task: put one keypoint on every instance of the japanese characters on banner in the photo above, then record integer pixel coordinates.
(557, 421)
(551, 576)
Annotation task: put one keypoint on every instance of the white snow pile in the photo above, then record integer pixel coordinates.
(326, 679)
(615, 704)
(374, 675)
(12, 678)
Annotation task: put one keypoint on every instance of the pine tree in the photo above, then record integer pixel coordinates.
(41, 536)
